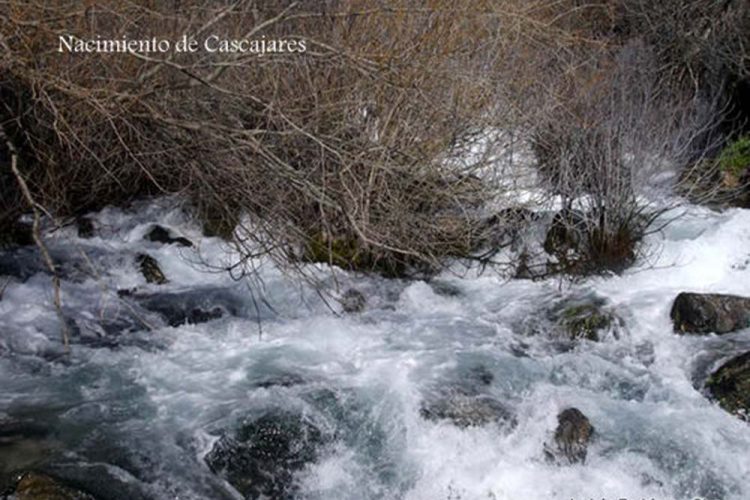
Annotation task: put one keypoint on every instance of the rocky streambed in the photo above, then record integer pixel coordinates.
(186, 381)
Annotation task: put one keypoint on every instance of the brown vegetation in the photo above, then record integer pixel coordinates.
(347, 152)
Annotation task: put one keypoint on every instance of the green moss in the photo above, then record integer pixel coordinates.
(343, 252)
(219, 225)
(585, 321)
(735, 157)
(347, 252)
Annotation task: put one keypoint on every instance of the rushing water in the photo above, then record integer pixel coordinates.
(133, 414)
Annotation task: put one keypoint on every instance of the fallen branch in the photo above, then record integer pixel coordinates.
(37, 234)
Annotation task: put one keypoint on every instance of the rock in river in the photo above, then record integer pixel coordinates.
(730, 386)
(150, 269)
(701, 313)
(160, 234)
(467, 410)
(572, 437)
(260, 459)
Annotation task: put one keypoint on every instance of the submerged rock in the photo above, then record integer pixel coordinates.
(279, 380)
(700, 313)
(353, 301)
(445, 288)
(585, 321)
(260, 459)
(191, 307)
(150, 269)
(576, 318)
(572, 437)
(466, 410)
(730, 386)
(38, 486)
(160, 234)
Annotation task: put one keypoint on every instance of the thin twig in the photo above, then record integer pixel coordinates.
(37, 234)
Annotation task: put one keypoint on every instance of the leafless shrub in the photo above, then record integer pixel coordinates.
(616, 134)
(347, 153)
(339, 147)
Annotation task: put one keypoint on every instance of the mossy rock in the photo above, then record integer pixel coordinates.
(150, 269)
(724, 180)
(347, 252)
(585, 321)
(734, 159)
(582, 318)
(730, 386)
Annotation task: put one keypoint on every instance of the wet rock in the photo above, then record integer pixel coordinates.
(700, 313)
(110, 329)
(150, 269)
(38, 486)
(445, 289)
(353, 301)
(160, 234)
(467, 410)
(191, 307)
(85, 227)
(572, 437)
(574, 319)
(261, 458)
(585, 321)
(730, 386)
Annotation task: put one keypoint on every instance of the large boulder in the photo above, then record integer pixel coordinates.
(730, 386)
(700, 313)
(262, 456)
(572, 437)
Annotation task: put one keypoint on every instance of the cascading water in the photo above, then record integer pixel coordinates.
(159, 412)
